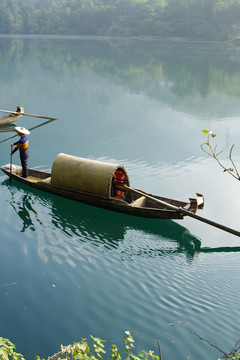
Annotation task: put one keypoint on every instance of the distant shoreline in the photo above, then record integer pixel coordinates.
(104, 37)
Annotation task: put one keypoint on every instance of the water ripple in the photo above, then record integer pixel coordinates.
(86, 258)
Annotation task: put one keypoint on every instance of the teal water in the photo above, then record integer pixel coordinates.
(68, 270)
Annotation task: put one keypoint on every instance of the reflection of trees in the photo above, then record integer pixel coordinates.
(190, 69)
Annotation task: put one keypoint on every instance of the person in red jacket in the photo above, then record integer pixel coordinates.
(119, 178)
(22, 146)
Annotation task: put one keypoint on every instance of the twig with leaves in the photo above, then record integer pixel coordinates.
(211, 151)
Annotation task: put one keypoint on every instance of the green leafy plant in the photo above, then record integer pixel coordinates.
(81, 351)
(7, 350)
(211, 150)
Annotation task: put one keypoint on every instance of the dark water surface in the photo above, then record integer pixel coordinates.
(68, 270)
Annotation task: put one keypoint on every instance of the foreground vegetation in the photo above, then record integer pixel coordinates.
(189, 19)
(81, 350)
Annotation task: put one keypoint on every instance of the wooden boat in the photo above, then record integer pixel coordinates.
(7, 119)
(97, 183)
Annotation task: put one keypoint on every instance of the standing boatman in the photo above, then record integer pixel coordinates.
(22, 146)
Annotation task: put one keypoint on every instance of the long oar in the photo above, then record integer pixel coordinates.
(184, 211)
(25, 114)
(10, 178)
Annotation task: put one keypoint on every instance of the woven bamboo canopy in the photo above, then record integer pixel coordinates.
(85, 175)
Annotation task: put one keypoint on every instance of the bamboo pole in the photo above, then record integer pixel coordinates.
(185, 212)
(10, 179)
(25, 114)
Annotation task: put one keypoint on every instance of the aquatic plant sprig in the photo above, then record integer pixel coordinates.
(211, 151)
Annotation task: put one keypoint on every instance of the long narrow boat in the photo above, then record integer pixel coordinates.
(7, 119)
(97, 183)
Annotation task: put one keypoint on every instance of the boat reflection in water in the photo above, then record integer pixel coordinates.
(11, 128)
(65, 229)
(7, 128)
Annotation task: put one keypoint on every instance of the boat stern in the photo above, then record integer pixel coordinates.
(196, 203)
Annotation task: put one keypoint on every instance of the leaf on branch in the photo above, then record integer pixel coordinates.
(209, 132)
(230, 169)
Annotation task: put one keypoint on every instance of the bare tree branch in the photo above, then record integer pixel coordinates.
(230, 157)
(207, 341)
(231, 355)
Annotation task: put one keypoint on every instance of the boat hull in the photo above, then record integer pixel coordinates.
(39, 180)
(8, 119)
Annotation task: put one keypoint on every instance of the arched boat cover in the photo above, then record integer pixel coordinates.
(85, 175)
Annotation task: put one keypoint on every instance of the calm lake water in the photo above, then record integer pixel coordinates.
(69, 270)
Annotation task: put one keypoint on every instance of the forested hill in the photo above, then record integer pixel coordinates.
(189, 19)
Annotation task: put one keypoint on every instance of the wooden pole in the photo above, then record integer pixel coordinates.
(185, 212)
(160, 351)
(10, 178)
(25, 114)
